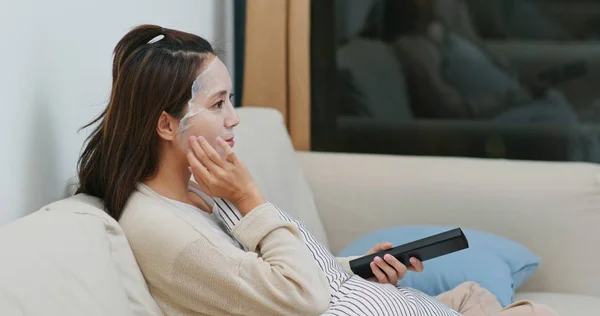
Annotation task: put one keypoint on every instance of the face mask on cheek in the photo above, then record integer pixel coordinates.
(201, 118)
(208, 124)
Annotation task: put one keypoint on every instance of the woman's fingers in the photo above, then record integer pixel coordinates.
(391, 270)
(210, 152)
(381, 278)
(416, 265)
(379, 247)
(199, 171)
(382, 246)
(201, 154)
(391, 273)
(229, 154)
(399, 268)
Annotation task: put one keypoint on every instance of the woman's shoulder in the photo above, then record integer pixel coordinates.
(148, 218)
(154, 226)
(163, 242)
(144, 208)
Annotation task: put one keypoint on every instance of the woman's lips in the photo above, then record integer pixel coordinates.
(231, 142)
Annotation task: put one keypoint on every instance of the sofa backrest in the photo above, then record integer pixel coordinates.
(70, 258)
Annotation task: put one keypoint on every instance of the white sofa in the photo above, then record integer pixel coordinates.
(70, 258)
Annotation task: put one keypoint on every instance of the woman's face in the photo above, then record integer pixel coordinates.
(210, 112)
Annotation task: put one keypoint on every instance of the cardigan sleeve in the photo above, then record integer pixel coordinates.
(277, 276)
(345, 263)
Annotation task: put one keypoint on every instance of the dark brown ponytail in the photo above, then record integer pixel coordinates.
(150, 75)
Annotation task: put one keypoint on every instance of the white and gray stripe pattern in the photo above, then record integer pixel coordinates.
(229, 216)
(352, 295)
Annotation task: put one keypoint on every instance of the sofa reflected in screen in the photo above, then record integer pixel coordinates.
(446, 81)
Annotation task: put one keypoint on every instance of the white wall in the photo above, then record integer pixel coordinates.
(55, 76)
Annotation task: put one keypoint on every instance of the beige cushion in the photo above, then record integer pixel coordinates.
(263, 144)
(565, 304)
(71, 258)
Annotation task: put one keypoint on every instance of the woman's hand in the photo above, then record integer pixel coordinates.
(224, 178)
(388, 269)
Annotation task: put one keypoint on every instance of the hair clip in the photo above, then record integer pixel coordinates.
(156, 39)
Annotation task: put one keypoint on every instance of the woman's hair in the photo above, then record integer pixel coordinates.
(150, 75)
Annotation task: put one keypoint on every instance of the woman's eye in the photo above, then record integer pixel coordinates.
(219, 104)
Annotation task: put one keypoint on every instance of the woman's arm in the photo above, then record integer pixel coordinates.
(345, 263)
(277, 276)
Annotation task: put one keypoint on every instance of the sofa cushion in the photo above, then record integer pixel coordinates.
(263, 144)
(498, 264)
(71, 259)
(564, 304)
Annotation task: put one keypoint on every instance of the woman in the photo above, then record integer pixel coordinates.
(217, 247)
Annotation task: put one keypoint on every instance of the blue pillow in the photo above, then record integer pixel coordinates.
(496, 263)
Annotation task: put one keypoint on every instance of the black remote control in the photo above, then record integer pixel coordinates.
(422, 249)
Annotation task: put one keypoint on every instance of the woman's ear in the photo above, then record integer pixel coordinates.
(167, 127)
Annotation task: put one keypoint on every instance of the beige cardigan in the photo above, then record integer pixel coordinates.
(190, 270)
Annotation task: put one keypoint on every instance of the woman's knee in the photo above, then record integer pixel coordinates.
(475, 287)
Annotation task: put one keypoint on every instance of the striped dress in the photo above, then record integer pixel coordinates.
(351, 294)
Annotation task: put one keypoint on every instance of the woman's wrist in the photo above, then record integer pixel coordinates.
(249, 201)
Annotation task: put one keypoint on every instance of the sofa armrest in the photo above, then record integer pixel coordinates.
(551, 208)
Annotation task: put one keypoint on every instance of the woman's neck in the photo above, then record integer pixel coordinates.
(171, 180)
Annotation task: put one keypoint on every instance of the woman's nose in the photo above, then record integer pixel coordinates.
(232, 120)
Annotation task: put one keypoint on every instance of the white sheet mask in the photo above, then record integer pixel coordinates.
(213, 79)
